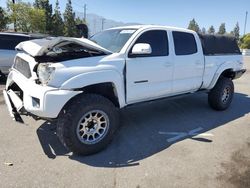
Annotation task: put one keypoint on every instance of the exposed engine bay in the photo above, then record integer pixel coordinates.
(67, 50)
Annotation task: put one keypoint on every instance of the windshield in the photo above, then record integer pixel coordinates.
(113, 39)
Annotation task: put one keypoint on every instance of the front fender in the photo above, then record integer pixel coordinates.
(97, 77)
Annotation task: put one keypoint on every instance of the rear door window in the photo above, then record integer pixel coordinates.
(8, 42)
(184, 43)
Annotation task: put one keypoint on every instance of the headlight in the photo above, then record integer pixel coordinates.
(45, 72)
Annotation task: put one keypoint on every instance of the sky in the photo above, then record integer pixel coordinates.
(167, 12)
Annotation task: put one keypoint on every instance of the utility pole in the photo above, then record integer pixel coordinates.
(245, 23)
(13, 1)
(94, 26)
(103, 21)
(85, 13)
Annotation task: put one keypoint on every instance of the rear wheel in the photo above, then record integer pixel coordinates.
(87, 125)
(220, 97)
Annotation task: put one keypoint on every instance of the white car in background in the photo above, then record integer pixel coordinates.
(8, 42)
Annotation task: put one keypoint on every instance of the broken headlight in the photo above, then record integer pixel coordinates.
(45, 72)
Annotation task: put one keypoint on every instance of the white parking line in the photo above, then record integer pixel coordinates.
(180, 135)
(202, 134)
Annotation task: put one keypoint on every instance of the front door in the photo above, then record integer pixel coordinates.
(150, 76)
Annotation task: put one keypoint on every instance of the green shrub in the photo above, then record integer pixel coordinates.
(245, 41)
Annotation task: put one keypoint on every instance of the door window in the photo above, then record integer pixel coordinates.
(184, 43)
(157, 39)
(9, 42)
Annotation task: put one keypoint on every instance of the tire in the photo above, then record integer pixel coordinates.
(220, 97)
(87, 124)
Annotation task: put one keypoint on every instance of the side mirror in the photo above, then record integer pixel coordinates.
(141, 49)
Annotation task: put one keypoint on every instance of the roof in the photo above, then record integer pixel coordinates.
(153, 26)
(14, 34)
(34, 35)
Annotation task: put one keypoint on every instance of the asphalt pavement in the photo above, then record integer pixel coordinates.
(170, 143)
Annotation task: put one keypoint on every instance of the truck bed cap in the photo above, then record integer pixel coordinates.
(219, 44)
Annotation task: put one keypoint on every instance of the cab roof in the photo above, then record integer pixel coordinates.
(153, 26)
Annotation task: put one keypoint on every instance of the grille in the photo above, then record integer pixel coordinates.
(22, 66)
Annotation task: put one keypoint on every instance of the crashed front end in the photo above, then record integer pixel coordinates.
(27, 90)
(24, 96)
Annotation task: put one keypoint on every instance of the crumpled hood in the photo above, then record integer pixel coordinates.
(39, 47)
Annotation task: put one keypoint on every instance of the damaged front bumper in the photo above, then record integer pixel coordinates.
(24, 97)
(14, 106)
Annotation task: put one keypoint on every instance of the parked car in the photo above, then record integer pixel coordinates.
(8, 42)
(83, 83)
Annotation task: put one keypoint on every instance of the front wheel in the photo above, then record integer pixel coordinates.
(87, 125)
(220, 97)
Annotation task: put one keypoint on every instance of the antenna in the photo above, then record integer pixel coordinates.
(103, 21)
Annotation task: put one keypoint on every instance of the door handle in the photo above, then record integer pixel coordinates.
(167, 64)
(198, 62)
(199, 65)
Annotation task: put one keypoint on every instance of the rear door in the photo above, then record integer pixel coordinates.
(188, 62)
(150, 76)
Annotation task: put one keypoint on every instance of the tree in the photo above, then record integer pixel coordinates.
(37, 4)
(222, 29)
(236, 32)
(3, 19)
(37, 20)
(69, 21)
(193, 25)
(44, 4)
(211, 30)
(203, 31)
(28, 18)
(57, 21)
(245, 41)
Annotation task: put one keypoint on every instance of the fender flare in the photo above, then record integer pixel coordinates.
(225, 66)
(98, 77)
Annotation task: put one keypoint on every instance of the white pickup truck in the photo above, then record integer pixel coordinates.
(83, 83)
